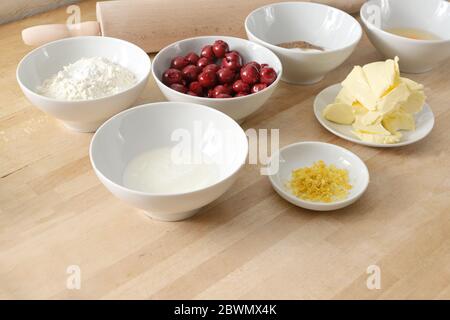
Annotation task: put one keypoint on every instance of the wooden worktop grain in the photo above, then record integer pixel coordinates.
(249, 243)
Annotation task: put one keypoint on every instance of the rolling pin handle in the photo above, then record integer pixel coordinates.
(39, 35)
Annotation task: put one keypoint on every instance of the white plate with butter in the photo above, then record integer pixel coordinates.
(424, 121)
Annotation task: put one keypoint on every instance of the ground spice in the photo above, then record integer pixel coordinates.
(300, 45)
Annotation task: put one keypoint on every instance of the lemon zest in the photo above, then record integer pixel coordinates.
(320, 183)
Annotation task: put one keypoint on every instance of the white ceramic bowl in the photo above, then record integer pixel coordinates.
(330, 28)
(304, 154)
(85, 115)
(238, 108)
(156, 125)
(416, 56)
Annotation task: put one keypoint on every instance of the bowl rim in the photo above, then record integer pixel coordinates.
(64, 102)
(349, 200)
(160, 83)
(156, 194)
(312, 53)
(392, 35)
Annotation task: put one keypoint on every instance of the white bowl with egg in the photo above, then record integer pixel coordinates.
(305, 154)
(238, 108)
(82, 115)
(391, 26)
(169, 158)
(335, 31)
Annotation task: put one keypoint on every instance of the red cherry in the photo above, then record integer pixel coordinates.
(249, 74)
(241, 86)
(229, 88)
(258, 87)
(207, 79)
(179, 63)
(207, 52)
(190, 72)
(268, 75)
(220, 48)
(192, 94)
(192, 57)
(234, 55)
(263, 65)
(196, 87)
(223, 96)
(221, 89)
(241, 94)
(209, 94)
(203, 62)
(178, 87)
(232, 64)
(255, 64)
(211, 67)
(232, 60)
(226, 75)
(171, 76)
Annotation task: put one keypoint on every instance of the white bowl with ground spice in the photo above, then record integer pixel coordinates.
(83, 81)
(310, 39)
(318, 176)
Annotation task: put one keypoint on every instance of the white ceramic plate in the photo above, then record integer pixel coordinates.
(304, 154)
(424, 121)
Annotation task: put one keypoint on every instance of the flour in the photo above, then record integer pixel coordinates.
(87, 79)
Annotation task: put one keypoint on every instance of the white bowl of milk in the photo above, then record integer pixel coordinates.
(169, 158)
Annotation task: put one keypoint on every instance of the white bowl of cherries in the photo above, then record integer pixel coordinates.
(232, 75)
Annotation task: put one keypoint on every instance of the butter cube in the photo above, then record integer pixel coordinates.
(374, 128)
(412, 85)
(399, 120)
(371, 117)
(359, 109)
(377, 138)
(357, 84)
(339, 113)
(382, 76)
(414, 103)
(345, 96)
(392, 101)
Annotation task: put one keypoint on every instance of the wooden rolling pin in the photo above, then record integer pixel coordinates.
(153, 24)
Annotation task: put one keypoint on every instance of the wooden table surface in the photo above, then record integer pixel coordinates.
(250, 243)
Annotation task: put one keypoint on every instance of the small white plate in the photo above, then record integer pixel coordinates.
(424, 121)
(304, 154)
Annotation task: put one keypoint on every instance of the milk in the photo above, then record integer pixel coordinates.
(155, 171)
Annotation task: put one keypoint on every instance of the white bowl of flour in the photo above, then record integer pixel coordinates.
(83, 81)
